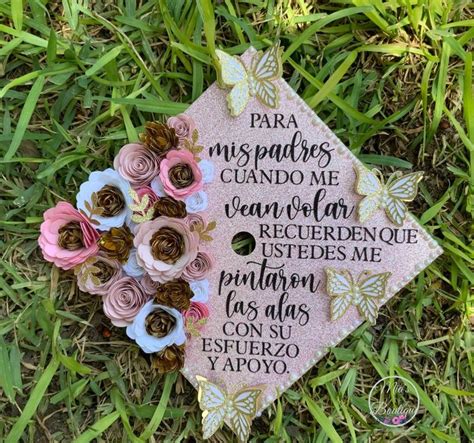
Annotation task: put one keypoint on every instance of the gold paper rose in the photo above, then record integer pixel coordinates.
(159, 138)
(117, 243)
(169, 207)
(167, 245)
(175, 294)
(169, 359)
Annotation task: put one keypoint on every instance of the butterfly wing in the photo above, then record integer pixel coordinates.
(211, 399)
(369, 185)
(232, 71)
(263, 71)
(268, 66)
(233, 74)
(340, 288)
(238, 98)
(399, 190)
(371, 289)
(267, 93)
(244, 409)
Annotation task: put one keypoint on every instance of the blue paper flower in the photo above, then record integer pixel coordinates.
(149, 343)
(132, 268)
(207, 170)
(196, 202)
(97, 180)
(200, 290)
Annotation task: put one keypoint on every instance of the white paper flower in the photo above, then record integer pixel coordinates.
(207, 169)
(157, 187)
(132, 268)
(200, 290)
(97, 180)
(196, 202)
(148, 343)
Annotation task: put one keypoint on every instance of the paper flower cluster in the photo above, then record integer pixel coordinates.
(138, 239)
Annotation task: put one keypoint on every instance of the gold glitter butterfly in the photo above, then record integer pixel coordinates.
(238, 409)
(256, 81)
(362, 293)
(390, 196)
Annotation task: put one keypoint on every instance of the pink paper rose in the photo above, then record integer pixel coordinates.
(137, 164)
(199, 267)
(99, 282)
(196, 312)
(195, 219)
(180, 174)
(149, 285)
(165, 246)
(124, 300)
(67, 237)
(183, 125)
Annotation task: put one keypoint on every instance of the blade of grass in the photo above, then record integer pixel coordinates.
(102, 61)
(17, 13)
(333, 80)
(319, 415)
(25, 116)
(161, 408)
(98, 428)
(206, 9)
(316, 26)
(33, 402)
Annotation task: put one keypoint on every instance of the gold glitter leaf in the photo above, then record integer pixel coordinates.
(205, 237)
(140, 214)
(192, 147)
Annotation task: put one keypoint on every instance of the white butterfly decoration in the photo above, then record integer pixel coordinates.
(238, 409)
(255, 81)
(390, 196)
(363, 293)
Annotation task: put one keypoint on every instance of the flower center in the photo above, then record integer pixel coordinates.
(159, 138)
(181, 176)
(70, 236)
(167, 245)
(159, 323)
(175, 294)
(169, 207)
(117, 243)
(105, 272)
(111, 200)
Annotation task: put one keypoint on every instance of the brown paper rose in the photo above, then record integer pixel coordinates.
(117, 243)
(158, 270)
(159, 323)
(175, 294)
(167, 245)
(159, 138)
(169, 359)
(169, 207)
(70, 236)
(110, 200)
(98, 274)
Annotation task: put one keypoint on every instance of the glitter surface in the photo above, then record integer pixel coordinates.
(403, 260)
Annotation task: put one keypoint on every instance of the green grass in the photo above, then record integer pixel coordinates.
(79, 79)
